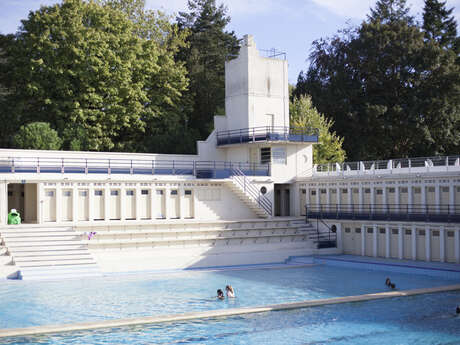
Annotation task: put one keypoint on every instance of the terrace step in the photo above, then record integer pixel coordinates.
(47, 263)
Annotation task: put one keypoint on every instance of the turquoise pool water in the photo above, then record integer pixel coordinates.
(24, 304)
(423, 319)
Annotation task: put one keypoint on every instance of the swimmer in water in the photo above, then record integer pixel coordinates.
(388, 282)
(457, 311)
(230, 291)
(220, 294)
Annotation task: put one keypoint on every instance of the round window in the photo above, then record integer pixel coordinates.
(263, 190)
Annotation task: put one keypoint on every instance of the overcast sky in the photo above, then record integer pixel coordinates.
(287, 25)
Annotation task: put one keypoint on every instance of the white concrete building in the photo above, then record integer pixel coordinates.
(242, 199)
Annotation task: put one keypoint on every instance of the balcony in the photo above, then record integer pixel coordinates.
(267, 134)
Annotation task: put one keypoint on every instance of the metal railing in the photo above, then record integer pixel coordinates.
(267, 133)
(325, 239)
(200, 169)
(240, 178)
(409, 164)
(383, 212)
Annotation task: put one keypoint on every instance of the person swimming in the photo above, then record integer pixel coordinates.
(388, 282)
(220, 294)
(457, 311)
(230, 292)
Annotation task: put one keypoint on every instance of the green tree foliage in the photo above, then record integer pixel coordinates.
(37, 136)
(304, 115)
(390, 92)
(439, 24)
(102, 76)
(209, 46)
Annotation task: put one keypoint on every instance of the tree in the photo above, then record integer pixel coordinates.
(304, 115)
(98, 76)
(383, 86)
(439, 24)
(209, 46)
(37, 136)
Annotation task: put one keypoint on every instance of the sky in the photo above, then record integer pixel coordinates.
(286, 25)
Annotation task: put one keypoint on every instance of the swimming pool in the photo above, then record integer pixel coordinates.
(424, 319)
(24, 304)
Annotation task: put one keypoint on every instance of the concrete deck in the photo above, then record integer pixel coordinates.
(15, 332)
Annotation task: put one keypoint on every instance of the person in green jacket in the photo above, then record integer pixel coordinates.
(14, 217)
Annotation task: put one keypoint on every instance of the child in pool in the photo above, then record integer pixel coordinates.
(230, 291)
(220, 294)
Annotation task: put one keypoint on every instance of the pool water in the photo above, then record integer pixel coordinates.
(24, 304)
(422, 319)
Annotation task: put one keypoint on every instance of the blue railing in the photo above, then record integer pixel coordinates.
(199, 169)
(267, 133)
(382, 212)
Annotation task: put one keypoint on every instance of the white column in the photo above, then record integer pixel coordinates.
(387, 241)
(167, 191)
(451, 197)
(457, 245)
(181, 196)
(339, 198)
(423, 197)
(196, 215)
(339, 237)
(318, 199)
(437, 196)
(410, 197)
(427, 243)
(75, 203)
(350, 198)
(138, 190)
(91, 202)
(400, 242)
(58, 202)
(40, 198)
(122, 201)
(414, 242)
(374, 241)
(360, 198)
(372, 198)
(152, 201)
(363, 240)
(4, 201)
(106, 192)
(384, 197)
(442, 244)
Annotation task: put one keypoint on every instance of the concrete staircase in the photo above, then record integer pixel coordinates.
(250, 202)
(312, 233)
(48, 253)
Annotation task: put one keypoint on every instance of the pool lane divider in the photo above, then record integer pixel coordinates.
(210, 314)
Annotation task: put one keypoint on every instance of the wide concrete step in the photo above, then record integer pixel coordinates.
(44, 263)
(41, 243)
(40, 247)
(53, 252)
(19, 259)
(12, 235)
(35, 238)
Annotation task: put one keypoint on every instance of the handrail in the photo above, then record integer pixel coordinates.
(124, 166)
(403, 212)
(240, 178)
(267, 133)
(398, 163)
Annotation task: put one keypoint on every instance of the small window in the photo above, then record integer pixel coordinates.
(344, 191)
(114, 192)
(391, 190)
(435, 233)
(347, 230)
(83, 193)
(450, 234)
(130, 192)
(421, 232)
(408, 232)
(67, 193)
(394, 231)
(265, 155)
(370, 230)
(49, 193)
(358, 230)
(10, 193)
(367, 190)
(404, 190)
(174, 192)
(159, 192)
(382, 230)
(334, 191)
(98, 192)
(355, 190)
(379, 192)
(430, 189)
(417, 190)
(145, 192)
(445, 189)
(304, 191)
(323, 191)
(458, 189)
(189, 192)
(313, 192)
